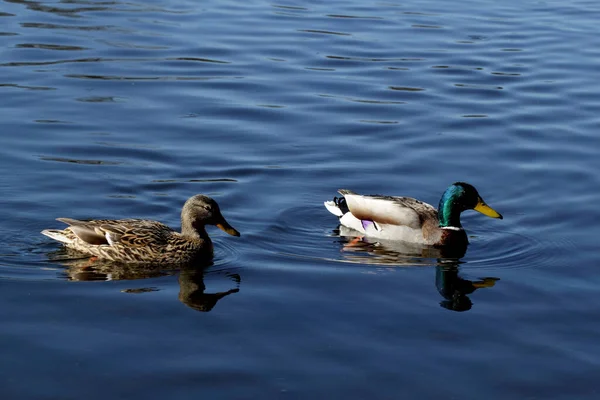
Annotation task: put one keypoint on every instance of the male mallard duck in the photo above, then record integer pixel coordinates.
(138, 240)
(408, 219)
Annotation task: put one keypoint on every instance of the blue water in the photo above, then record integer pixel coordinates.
(121, 109)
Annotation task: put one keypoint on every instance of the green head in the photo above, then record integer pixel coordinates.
(461, 196)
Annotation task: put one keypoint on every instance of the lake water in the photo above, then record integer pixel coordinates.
(126, 109)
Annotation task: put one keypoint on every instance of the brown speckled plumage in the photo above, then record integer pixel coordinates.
(145, 241)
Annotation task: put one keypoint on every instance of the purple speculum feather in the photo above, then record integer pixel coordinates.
(366, 223)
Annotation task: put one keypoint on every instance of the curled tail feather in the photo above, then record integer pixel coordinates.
(337, 206)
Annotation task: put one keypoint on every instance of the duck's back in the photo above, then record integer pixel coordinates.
(128, 240)
(388, 217)
(402, 211)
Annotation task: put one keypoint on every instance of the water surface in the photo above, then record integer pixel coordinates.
(114, 109)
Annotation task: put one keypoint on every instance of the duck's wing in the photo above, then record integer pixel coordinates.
(389, 210)
(124, 232)
(77, 231)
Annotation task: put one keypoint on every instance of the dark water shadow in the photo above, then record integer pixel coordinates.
(191, 278)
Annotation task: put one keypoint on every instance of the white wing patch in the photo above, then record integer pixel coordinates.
(350, 221)
(382, 231)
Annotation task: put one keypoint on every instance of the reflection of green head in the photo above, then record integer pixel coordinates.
(461, 196)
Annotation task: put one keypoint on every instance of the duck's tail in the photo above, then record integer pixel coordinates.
(337, 206)
(333, 208)
(57, 234)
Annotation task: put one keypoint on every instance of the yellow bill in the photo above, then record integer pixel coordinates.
(485, 282)
(225, 227)
(486, 210)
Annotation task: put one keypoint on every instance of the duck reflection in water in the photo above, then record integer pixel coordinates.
(453, 288)
(191, 290)
(191, 278)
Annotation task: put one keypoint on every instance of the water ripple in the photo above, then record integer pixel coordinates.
(14, 85)
(300, 235)
(150, 78)
(91, 28)
(49, 47)
(324, 32)
(100, 6)
(352, 16)
(504, 249)
(108, 60)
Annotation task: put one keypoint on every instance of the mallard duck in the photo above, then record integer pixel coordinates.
(408, 219)
(145, 241)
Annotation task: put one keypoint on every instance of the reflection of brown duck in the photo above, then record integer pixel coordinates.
(90, 269)
(191, 290)
(455, 289)
(191, 279)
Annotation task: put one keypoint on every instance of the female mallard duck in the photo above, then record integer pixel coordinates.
(408, 219)
(138, 240)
